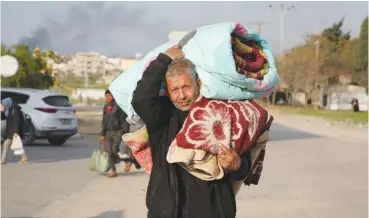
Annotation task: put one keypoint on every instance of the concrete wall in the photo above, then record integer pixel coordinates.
(94, 94)
(342, 101)
(298, 98)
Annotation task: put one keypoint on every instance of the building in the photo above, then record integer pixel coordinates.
(88, 62)
(339, 97)
(93, 63)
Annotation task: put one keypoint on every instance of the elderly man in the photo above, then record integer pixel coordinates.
(172, 192)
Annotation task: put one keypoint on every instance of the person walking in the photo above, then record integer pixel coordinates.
(14, 127)
(114, 125)
(173, 192)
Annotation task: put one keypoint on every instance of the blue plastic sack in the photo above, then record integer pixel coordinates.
(211, 52)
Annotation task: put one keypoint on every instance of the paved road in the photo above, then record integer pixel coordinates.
(54, 172)
(89, 108)
(305, 176)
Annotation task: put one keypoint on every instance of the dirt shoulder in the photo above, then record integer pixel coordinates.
(319, 125)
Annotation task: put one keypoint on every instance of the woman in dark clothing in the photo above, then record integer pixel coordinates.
(14, 119)
(172, 192)
(355, 105)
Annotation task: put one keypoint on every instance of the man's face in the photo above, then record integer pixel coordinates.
(2, 108)
(108, 98)
(182, 90)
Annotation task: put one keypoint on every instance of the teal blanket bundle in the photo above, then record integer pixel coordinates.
(210, 49)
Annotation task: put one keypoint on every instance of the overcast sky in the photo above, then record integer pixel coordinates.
(124, 28)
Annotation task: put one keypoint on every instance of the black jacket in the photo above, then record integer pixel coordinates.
(14, 122)
(172, 192)
(114, 120)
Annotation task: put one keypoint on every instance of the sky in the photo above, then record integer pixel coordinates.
(125, 28)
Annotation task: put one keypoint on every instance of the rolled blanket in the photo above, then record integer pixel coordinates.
(249, 58)
(210, 49)
(210, 123)
(199, 163)
(138, 142)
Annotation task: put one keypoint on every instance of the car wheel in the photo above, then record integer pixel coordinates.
(29, 135)
(57, 140)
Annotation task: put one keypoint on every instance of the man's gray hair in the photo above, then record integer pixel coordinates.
(179, 67)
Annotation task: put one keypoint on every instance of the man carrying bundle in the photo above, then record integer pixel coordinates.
(172, 191)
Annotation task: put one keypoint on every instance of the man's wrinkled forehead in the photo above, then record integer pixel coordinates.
(183, 73)
(180, 80)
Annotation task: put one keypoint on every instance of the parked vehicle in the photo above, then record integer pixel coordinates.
(49, 115)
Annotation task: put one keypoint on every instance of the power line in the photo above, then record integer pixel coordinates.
(282, 10)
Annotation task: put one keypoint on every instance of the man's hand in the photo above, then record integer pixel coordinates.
(174, 53)
(229, 159)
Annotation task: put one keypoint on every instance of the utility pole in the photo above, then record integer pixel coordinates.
(317, 48)
(259, 24)
(86, 79)
(86, 76)
(315, 98)
(282, 11)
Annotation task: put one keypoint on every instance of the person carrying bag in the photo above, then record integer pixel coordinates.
(14, 130)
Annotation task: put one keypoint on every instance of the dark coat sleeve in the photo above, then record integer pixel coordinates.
(244, 168)
(152, 109)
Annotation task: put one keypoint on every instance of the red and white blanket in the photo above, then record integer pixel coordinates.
(214, 122)
(210, 123)
(240, 124)
(138, 142)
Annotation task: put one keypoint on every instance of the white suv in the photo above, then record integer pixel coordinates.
(49, 115)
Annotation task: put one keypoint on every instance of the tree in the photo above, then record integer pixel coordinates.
(32, 69)
(360, 75)
(323, 59)
(296, 68)
(335, 34)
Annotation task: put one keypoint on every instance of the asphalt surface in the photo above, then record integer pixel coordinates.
(52, 173)
(306, 175)
(89, 108)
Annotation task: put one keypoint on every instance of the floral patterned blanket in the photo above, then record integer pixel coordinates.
(214, 122)
(237, 124)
